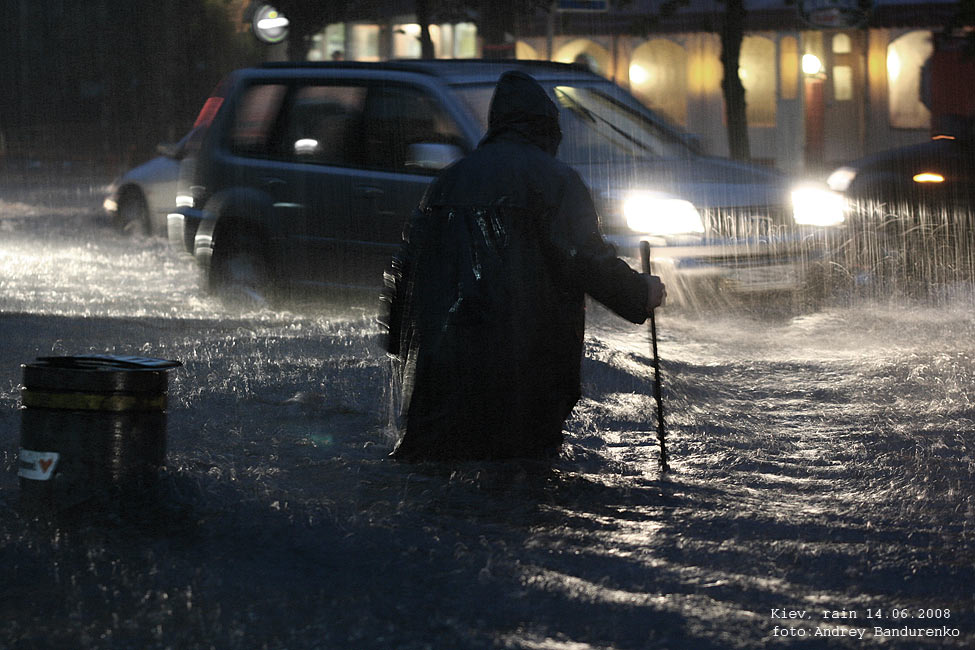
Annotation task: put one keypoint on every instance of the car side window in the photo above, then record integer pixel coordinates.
(397, 117)
(322, 125)
(255, 117)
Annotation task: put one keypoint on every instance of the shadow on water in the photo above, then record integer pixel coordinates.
(820, 460)
(427, 556)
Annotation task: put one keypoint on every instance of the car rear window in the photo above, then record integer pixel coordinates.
(255, 117)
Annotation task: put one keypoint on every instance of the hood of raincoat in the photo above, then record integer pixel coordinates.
(521, 109)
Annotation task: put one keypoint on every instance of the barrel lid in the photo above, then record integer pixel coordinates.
(109, 362)
(99, 373)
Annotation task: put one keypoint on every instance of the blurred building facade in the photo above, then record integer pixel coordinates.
(817, 94)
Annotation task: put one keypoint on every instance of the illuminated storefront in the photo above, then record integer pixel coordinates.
(816, 94)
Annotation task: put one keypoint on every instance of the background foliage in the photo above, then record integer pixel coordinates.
(109, 79)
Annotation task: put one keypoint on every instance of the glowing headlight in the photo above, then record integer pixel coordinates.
(659, 214)
(184, 201)
(839, 180)
(812, 206)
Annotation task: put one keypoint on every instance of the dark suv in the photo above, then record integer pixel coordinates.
(309, 172)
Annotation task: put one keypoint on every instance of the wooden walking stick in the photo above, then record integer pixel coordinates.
(661, 433)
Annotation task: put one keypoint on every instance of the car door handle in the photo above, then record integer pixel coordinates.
(272, 181)
(369, 192)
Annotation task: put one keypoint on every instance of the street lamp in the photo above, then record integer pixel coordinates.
(811, 65)
(269, 24)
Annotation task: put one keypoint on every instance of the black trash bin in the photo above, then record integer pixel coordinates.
(93, 428)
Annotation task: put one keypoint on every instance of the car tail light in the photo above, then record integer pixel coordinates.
(209, 110)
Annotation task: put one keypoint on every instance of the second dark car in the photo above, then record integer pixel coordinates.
(139, 200)
(911, 213)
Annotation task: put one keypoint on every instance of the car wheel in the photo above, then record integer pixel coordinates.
(238, 272)
(133, 214)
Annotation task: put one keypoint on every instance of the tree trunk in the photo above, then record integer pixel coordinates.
(494, 17)
(297, 45)
(422, 8)
(732, 33)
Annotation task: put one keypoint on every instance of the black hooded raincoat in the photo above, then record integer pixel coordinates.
(486, 300)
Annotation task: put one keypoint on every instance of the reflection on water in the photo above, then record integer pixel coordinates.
(820, 461)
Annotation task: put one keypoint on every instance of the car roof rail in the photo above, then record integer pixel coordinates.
(428, 66)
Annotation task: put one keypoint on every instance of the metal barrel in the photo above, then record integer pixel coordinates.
(92, 428)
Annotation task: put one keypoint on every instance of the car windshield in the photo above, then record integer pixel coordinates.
(598, 125)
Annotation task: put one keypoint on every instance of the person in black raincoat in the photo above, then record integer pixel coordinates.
(485, 303)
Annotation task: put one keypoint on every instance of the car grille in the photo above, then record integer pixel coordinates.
(762, 223)
(762, 236)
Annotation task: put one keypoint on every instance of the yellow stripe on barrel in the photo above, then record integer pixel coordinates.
(112, 402)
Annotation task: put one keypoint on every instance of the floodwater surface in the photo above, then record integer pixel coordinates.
(820, 492)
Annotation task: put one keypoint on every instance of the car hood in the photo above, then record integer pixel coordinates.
(708, 183)
(875, 175)
(925, 153)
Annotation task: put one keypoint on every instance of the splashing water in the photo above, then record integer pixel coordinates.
(821, 462)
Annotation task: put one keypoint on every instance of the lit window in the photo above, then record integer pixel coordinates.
(442, 37)
(842, 44)
(789, 67)
(905, 56)
(658, 78)
(365, 42)
(842, 83)
(585, 52)
(333, 43)
(758, 63)
(525, 51)
(465, 41)
(406, 41)
(315, 51)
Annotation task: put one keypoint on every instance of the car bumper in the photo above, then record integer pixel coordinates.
(739, 266)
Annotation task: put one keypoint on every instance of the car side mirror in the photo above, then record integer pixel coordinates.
(432, 155)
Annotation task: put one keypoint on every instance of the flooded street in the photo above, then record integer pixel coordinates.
(820, 494)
